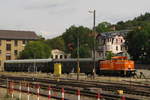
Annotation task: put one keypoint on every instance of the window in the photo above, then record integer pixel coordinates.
(56, 56)
(16, 43)
(121, 47)
(16, 52)
(0, 51)
(117, 48)
(61, 56)
(24, 42)
(0, 62)
(8, 57)
(116, 40)
(121, 40)
(65, 56)
(0, 42)
(8, 40)
(112, 40)
(8, 47)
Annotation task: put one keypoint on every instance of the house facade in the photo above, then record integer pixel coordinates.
(12, 43)
(111, 41)
(58, 54)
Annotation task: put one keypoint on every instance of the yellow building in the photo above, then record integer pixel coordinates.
(12, 43)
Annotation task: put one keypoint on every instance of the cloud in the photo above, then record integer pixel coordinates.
(54, 16)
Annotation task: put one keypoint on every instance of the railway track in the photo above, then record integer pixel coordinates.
(86, 85)
(69, 91)
(128, 88)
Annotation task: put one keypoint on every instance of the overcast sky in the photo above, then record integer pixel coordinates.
(52, 17)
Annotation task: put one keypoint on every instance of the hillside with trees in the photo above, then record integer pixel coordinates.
(137, 41)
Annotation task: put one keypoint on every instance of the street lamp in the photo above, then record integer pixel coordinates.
(94, 37)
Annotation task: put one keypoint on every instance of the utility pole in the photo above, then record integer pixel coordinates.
(78, 67)
(94, 70)
(94, 38)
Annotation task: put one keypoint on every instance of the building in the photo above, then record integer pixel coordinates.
(58, 54)
(111, 41)
(12, 43)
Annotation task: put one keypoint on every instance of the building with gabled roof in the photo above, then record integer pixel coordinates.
(12, 42)
(111, 41)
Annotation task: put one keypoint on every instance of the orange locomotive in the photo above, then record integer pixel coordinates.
(119, 65)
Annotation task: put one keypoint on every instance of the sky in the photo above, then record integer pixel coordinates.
(50, 18)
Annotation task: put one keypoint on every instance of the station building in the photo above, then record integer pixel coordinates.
(12, 43)
(58, 54)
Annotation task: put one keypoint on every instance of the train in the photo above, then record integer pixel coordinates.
(118, 66)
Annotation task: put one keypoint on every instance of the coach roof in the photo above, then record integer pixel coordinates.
(18, 35)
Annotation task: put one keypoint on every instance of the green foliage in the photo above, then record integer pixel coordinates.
(109, 55)
(85, 41)
(35, 50)
(138, 44)
(140, 21)
(56, 43)
(103, 27)
(84, 52)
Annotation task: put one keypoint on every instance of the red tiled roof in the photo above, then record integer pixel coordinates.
(23, 35)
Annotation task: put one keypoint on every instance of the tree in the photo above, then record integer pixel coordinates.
(56, 43)
(103, 27)
(35, 50)
(86, 41)
(109, 55)
(133, 24)
(138, 44)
